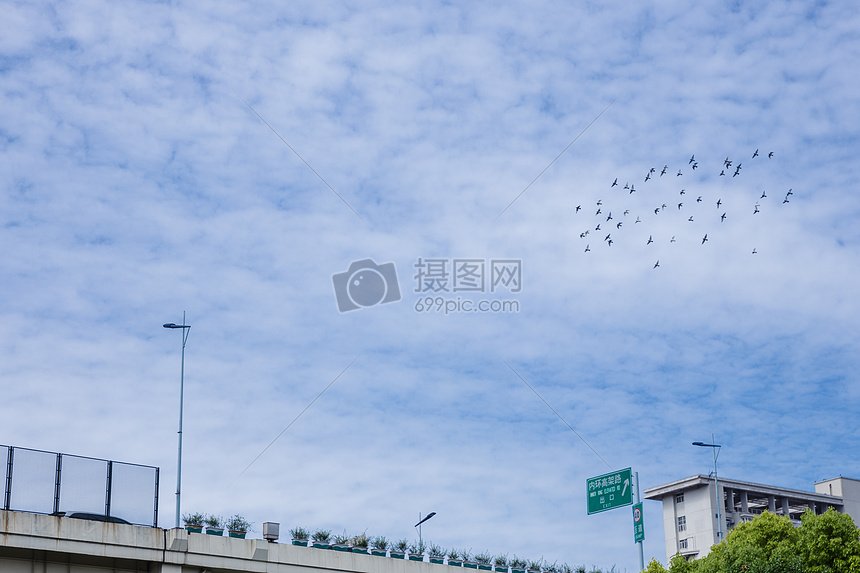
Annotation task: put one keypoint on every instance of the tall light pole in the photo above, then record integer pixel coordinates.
(418, 525)
(186, 328)
(716, 449)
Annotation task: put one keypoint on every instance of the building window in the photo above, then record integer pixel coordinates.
(682, 544)
(682, 523)
(679, 498)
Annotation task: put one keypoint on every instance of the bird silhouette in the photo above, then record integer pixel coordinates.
(679, 173)
(719, 202)
(598, 213)
(587, 249)
(789, 193)
(755, 154)
(618, 225)
(609, 217)
(680, 205)
(657, 264)
(578, 207)
(695, 165)
(597, 228)
(699, 200)
(754, 252)
(599, 202)
(610, 242)
(614, 183)
(650, 240)
(770, 155)
(637, 220)
(582, 235)
(632, 189)
(652, 170)
(722, 217)
(705, 239)
(763, 195)
(606, 238)
(657, 210)
(662, 173)
(673, 239)
(683, 191)
(756, 209)
(722, 173)
(690, 219)
(626, 211)
(692, 159)
(647, 177)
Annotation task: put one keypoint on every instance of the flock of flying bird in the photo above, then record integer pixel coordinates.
(608, 223)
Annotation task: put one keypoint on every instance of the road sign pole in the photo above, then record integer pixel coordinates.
(641, 519)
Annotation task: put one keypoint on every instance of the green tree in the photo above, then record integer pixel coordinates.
(829, 543)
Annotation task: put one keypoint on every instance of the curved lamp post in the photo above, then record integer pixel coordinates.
(716, 449)
(186, 328)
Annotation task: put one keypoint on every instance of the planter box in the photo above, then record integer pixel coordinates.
(501, 568)
(359, 550)
(322, 545)
(214, 531)
(455, 562)
(300, 542)
(194, 528)
(238, 534)
(378, 552)
(470, 564)
(416, 557)
(398, 554)
(515, 570)
(340, 547)
(485, 567)
(437, 559)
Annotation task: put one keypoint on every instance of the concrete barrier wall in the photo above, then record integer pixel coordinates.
(32, 542)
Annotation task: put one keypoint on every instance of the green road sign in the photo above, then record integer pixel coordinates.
(638, 523)
(609, 491)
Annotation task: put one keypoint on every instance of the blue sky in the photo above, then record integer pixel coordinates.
(138, 184)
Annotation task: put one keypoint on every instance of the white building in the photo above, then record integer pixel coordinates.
(691, 513)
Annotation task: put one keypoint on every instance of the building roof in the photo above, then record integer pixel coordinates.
(660, 491)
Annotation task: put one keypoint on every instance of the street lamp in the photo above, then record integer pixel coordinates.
(186, 328)
(716, 449)
(418, 525)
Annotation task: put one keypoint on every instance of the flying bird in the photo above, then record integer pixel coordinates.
(632, 189)
(692, 159)
(770, 155)
(680, 205)
(598, 213)
(627, 185)
(673, 239)
(597, 228)
(650, 240)
(599, 202)
(610, 242)
(763, 195)
(719, 202)
(606, 238)
(705, 239)
(637, 220)
(756, 209)
(690, 219)
(652, 170)
(618, 226)
(578, 207)
(608, 217)
(722, 217)
(647, 177)
(699, 200)
(626, 211)
(657, 264)
(679, 173)
(722, 172)
(662, 173)
(587, 249)
(657, 210)
(755, 154)
(754, 252)
(695, 165)
(789, 193)
(582, 235)
(683, 191)
(614, 183)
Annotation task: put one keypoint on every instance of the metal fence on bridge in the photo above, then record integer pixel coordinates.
(48, 482)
